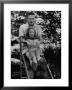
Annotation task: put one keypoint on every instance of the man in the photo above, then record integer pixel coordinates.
(30, 23)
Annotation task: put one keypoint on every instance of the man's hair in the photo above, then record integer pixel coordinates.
(30, 13)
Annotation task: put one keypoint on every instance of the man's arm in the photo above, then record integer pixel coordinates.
(22, 33)
(23, 29)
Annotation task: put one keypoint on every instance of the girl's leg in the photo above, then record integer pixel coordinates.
(29, 57)
(34, 57)
(38, 53)
(34, 63)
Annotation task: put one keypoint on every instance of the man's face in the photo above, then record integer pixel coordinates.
(31, 19)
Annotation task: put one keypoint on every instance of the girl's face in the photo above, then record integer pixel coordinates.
(31, 33)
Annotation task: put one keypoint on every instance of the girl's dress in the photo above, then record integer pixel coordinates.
(32, 50)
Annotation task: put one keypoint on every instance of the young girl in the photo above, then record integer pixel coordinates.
(33, 43)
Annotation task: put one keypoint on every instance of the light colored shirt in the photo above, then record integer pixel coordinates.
(23, 29)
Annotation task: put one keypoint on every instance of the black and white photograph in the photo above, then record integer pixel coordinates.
(35, 44)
